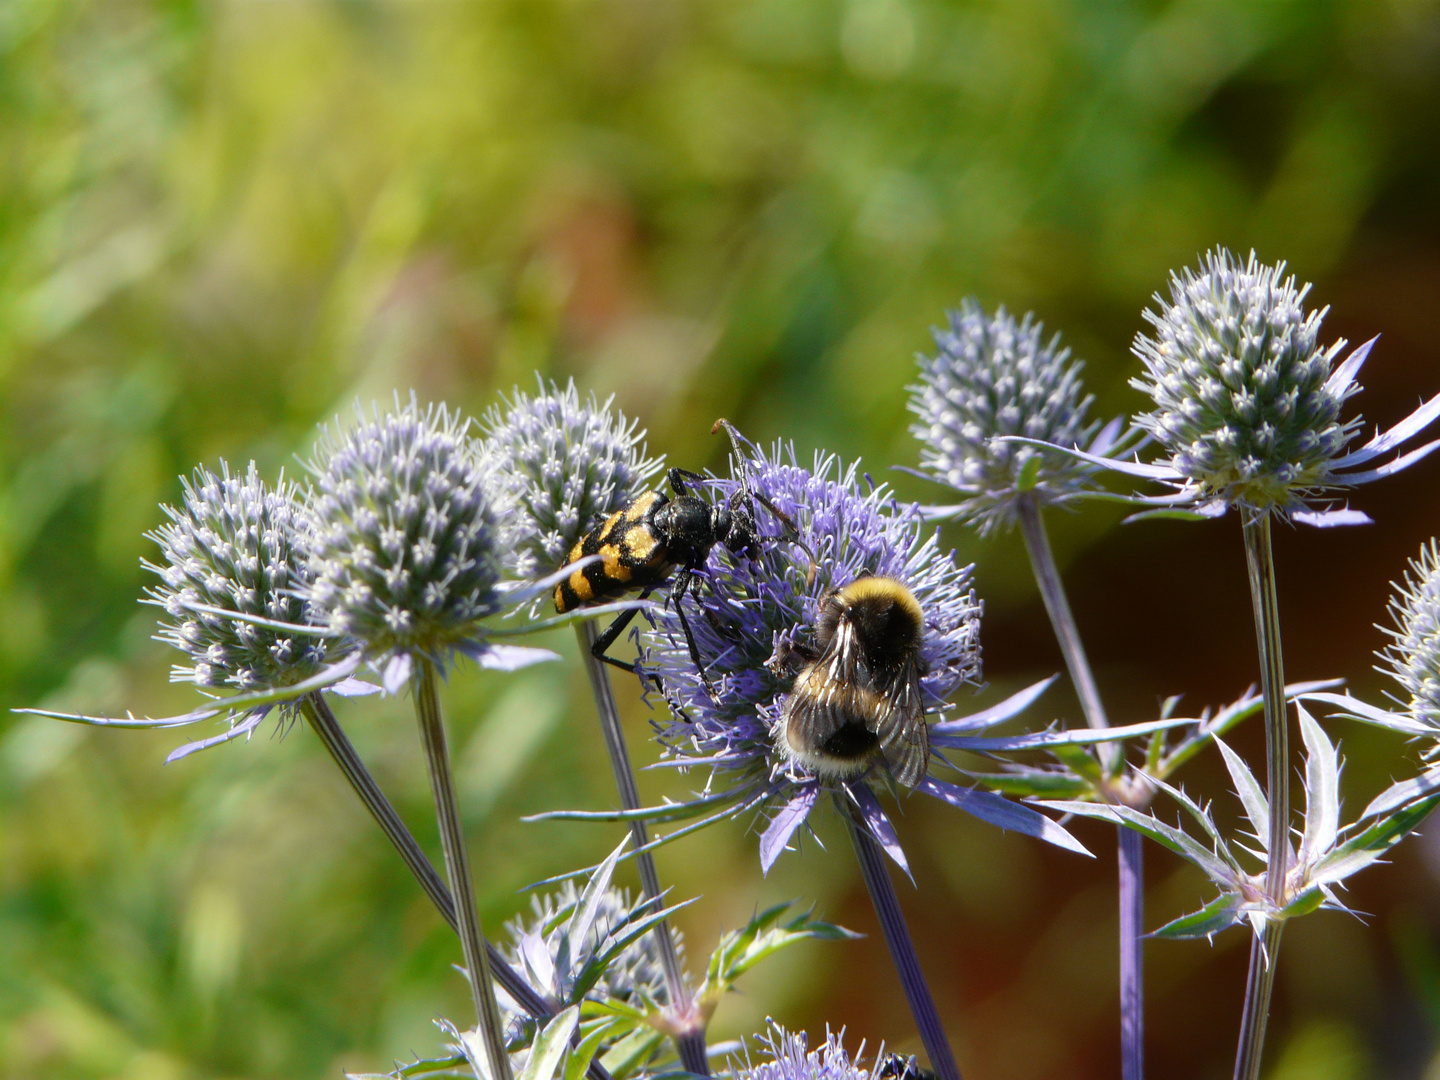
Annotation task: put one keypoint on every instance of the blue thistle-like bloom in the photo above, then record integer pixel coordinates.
(1241, 384)
(558, 464)
(995, 377)
(403, 541)
(1413, 657)
(792, 1059)
(1248, 401)
(232, 581)
(232, 544)
(749, 608)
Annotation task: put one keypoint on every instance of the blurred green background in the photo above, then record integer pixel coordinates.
(223, 222)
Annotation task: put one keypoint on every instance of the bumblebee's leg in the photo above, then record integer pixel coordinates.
(677, 594)
(612, 633)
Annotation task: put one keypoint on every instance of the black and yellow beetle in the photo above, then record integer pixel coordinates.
(643, 544)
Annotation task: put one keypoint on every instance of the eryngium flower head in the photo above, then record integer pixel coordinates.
(1245, 403)
(558, 464)
(792, 1059)
(634, 976)
(232, 544)
(995, 377)
(402, 535)
(1413, 657)
(748, 608)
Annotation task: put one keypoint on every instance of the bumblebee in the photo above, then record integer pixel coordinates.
(857, 693)
(643, 544)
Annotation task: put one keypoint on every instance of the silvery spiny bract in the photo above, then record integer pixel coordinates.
(559, 463)
(995, 377)
(634, 976)
(1413, 657)
(403, 546)
(232, 545)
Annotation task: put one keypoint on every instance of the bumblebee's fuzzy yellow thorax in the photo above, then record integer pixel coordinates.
(888, 589)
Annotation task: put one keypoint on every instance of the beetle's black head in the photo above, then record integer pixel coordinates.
(735, 528)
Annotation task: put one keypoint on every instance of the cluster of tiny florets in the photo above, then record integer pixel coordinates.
(994, 377)
(748, 606)
(558, 464)
(232, 545)
(403, 545)
(792, 1059)
(1413, 657)
(1238, 375)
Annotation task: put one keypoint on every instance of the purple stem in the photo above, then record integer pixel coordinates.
(902, 949)
(1132, 930)
(1130, 854)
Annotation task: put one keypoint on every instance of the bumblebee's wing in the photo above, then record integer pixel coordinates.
(901, 726)
(829, 718)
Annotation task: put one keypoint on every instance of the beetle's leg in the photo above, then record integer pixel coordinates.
(682, 586)
(612, 633)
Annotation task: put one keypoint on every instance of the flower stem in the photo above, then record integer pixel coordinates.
(457, 865)
(902, 949)
(688, 1021)
(1130, 851)
(1264, 950)
(1057, 605)
(317, 711)
(1132, 969)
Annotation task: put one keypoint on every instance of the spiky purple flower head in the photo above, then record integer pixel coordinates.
(404, 541)
(792, 1059)
(232, 545)
(557, 464)
(1248, 401)
(545, 947)
(747, 608)
(994, 377)
(1412, 658)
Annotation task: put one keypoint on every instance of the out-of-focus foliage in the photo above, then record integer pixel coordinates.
(222, 222)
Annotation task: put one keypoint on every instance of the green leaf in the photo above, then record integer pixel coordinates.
(550, 1046)
(1030, 783)
(586, 908)
(1080, 762)
(1360, 851)
(586, 979)
(765, 935)
(632, 1052)
(1167, 513)
(1167, 836)
(456, 1066)
(580, 1057)
(1252, 796)
(1029, 474)
(1403, 792)
(1322, 790)
(1220, 914)
(1309, 900)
